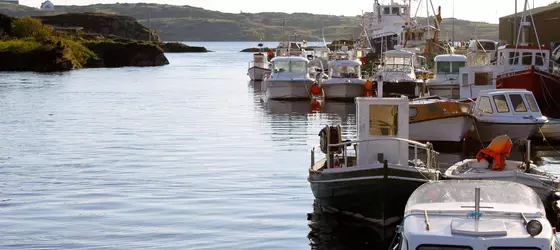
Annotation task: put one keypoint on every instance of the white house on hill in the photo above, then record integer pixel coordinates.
(10, 1)
(47, 6)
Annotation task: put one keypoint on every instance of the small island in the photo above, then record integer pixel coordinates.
(81, 40)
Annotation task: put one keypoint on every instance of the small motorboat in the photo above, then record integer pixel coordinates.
(475, 215)
(491, 164)
(439, 120)
(345, 80)
(446, 76)
(259, 67)
(372, 175)
(513, 112)
(290, 79)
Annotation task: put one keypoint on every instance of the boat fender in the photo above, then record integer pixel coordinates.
(315, 89)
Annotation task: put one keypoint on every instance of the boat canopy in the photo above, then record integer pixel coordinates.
(338, 63)
(289, 59)
(450, 58)
(462, 193)
(398, 53)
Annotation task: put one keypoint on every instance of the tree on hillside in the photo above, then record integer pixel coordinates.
(24, 27)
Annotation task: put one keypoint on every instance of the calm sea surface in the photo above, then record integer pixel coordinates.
(184, 156)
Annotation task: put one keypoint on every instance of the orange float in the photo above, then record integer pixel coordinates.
(315, 89)
(497, 152)
(368, 88)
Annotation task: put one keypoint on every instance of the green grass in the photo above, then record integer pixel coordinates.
(19, 45)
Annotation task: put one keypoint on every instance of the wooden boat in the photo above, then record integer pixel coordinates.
(259, 67)
(513, 112)
(475, 215)
(439, 120)
(377, 177)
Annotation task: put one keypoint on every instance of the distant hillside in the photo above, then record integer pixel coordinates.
(186, 23)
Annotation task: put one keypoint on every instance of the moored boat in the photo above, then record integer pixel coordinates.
(439, 120)
(398, 74)
(475, 215)
(259, 67)
(446, 76)
(378, 177)
(289, 79)
(345, 81)
(513, 112)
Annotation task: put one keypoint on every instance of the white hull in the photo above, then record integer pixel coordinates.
(550, 131)
(444, 90)
(451, 129)
(257, 74)
(287, 89)
(343, 90)
(486, 131)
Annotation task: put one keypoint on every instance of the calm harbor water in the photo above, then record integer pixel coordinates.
(184, 156)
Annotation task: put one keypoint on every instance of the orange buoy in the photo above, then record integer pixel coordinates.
(315, 105)
(315, 89)
(368, 88)
(496, 152)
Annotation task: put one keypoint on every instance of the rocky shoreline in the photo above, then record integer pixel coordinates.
(28, 44)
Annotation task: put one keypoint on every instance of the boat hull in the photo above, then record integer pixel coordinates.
(550, 131)
(545, 86)
(447, 129)
(444, 90)
(288, 89)
(486, 131)
(396, 89)
(343, 91)
(257, 73)
(367, 191)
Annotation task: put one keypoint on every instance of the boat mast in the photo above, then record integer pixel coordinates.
(515, 21)
(453, 25)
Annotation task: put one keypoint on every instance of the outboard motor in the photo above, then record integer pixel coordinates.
(331, 135)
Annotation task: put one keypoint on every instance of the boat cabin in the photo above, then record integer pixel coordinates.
(289, 49)
(507, 103)
(260, 60)
(447, 66)
(483, 46)
(378, 118)
(289, 66)
(520, 57)
(473, 215)
(345, 69)
(398, 60)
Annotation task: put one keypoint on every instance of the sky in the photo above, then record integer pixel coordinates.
(474, 10)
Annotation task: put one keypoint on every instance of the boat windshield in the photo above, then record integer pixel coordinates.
(458, 191)
(487, 45)
(449, 67)
(398, 64)
(290, 66)
(345, 71)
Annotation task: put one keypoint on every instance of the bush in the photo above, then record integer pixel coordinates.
(19, 46)
(77, 52)
(26, 27)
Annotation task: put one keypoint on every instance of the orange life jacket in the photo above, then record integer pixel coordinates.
(497, 152)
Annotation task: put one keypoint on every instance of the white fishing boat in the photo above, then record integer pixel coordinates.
(372, 175)
(345, 80)
(438, 120)
(446, 76)
(475, 215)
(259, 67)
(289, 79)
(398, 74)
(513, 112)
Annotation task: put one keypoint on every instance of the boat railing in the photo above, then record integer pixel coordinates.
(431, 154)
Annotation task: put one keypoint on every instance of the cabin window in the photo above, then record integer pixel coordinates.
(501, 103)
(443, 247)
(396, 11)
(443, 67)
(412, 112)
(455, 66)
(386, 11)
(527, 58)
(483, 78)
(288, 66)
(281, 66)
(486, 45)
(345, 71)
(518, 103)
(298, 67)
(539, 59)
(532, 103)
(383, 120)
(513, 248)
(404, 11)
(466, 80)
(484, 105)
(513, 58)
